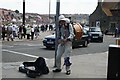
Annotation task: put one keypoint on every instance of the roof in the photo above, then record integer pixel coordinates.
(108, 7)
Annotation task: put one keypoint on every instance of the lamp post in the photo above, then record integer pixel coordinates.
(23, 12)
(49, 9)
(56, 25)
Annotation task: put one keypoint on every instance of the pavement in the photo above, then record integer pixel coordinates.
(83, 66)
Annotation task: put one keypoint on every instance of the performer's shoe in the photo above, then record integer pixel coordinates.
(68, 72)
(57, 70)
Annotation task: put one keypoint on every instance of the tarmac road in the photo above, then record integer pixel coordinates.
(18, 51)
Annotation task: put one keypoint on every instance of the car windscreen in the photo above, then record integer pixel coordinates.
(85, 32)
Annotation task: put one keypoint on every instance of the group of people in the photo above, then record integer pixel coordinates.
(11, 31)
(46, 27)
(30, 31)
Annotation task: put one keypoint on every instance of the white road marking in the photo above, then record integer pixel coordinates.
(7, 46)
(20, 53)
(34, 44)
(24, 54)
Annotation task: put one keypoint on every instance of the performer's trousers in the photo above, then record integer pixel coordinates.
(65, 49)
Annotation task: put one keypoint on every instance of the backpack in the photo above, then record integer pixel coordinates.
(39, 65)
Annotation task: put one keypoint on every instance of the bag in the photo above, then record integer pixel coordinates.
(77, 31)
(39, 65)
(32, 73)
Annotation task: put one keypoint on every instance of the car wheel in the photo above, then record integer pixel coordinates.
(101, 40)
(85, 44)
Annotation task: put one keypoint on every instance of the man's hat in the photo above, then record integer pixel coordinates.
(61, 17)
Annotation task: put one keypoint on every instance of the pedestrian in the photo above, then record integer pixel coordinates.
(50, 27)
(14, 31)
(9, 32)
(20, 32)
(106, 31)
(28, 31)
(116, 32)
(66, 35)
(32, 33)
(3, 32)
(36, 32)
(46, 27)
(24, 31)
(42, 28)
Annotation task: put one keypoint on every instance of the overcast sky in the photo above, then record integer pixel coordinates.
(42, 6)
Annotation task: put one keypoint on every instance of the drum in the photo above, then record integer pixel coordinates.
(78, 31)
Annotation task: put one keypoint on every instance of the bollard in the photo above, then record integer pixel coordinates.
(113, 71)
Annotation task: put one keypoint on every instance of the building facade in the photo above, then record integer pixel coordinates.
(99, 18)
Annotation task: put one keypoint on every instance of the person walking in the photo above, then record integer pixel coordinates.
(116, 32)
(14, 31)
(9, 32)
(42, 28)
(36, 32)
(24, 31)
(32, 33)
(50, 27)
(46, 27)
(66, 35)
(3, 32)
(28, 31)
(20, 32)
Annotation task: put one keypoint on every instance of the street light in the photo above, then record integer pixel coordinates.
(56, 25)
(49, 9)
(23, 12)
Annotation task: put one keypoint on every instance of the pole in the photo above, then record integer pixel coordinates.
(23, 12)
(56, 25)
(49, 9)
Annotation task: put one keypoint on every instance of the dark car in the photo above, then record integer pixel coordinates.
(49, 41)
(95, 34)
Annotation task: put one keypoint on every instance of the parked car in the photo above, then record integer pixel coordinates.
(49, 41)
(95, 34)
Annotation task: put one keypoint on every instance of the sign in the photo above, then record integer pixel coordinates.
(97, 23)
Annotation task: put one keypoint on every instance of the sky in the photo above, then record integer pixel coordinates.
(42, 6)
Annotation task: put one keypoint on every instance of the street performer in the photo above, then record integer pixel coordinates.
(66, 35)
